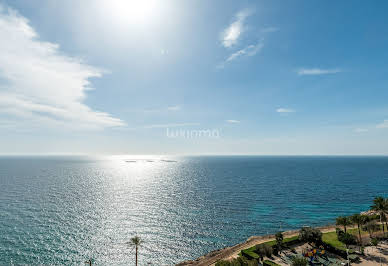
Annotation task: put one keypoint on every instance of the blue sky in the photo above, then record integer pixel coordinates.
(269, 77)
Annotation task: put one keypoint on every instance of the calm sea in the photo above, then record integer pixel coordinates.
(65, 210)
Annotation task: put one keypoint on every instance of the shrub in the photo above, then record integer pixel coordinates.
(299, 261)
(275, 250)
(264, 250)
(374, 241)
(338, 231)
(223, 263)
(250, 254)
(279, 240)
(310, 235)
(291, 241)
(336, 250)
(269, 263)
(346, 238)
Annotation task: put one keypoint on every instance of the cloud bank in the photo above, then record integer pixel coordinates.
(40, 84)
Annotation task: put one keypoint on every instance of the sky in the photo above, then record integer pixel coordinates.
(266, 77)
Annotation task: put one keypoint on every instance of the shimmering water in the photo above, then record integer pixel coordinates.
(64, 210)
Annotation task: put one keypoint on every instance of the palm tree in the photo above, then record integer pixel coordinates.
(344, 221)
(384, 219)
(136, 242)
(371, 227)
(380, 205)
(360, 220)
(279, 241)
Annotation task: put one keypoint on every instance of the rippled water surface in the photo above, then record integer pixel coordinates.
(64, 210)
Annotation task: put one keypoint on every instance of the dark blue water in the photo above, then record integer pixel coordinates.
(64, 210)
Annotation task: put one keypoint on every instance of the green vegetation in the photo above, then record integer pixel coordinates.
(374, 241)
(359, 220)
(269, 263)
(250, 254)
(344, 221)
(299, 261)
(291, 239)
(336, 242)
(286, 242)
(264, 250)
(136, 242)
(346, 238)
(371, 227)
(310, 235)
(331, 239)
(279, 241)
(380, 205)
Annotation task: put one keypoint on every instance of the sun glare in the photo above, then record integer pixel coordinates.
(133, 12)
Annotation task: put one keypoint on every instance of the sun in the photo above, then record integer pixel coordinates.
(133, 12)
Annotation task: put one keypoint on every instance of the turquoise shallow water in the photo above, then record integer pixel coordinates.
(64, 210)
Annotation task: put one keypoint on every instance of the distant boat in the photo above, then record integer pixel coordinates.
(169, 161)
(130, 161)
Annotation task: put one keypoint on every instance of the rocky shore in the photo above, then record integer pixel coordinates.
(230, 252)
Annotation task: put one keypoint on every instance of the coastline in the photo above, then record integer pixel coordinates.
(230, 252)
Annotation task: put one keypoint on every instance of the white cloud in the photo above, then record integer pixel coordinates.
(232, 121)
(231, 34)
(250, 50)
(41, 84)
(174, 108)
(285, 110)
(317, 71)
(384, 124)
(361, 130)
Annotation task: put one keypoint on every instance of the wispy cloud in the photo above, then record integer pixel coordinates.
(174, 108)
(41, 83)
(232, 33)
(317, 71)
(250, 50)
(232, 121)
(384, 124)
(285, 110)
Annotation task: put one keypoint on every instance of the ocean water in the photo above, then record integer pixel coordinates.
(65, 210)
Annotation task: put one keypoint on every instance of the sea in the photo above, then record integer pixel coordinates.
(65, 210)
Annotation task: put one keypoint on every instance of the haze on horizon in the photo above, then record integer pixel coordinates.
(193, 77)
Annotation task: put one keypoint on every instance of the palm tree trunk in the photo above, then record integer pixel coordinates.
(345, 228)
(359, 233)
(381, 214)
(386, 223)
(136, 255)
